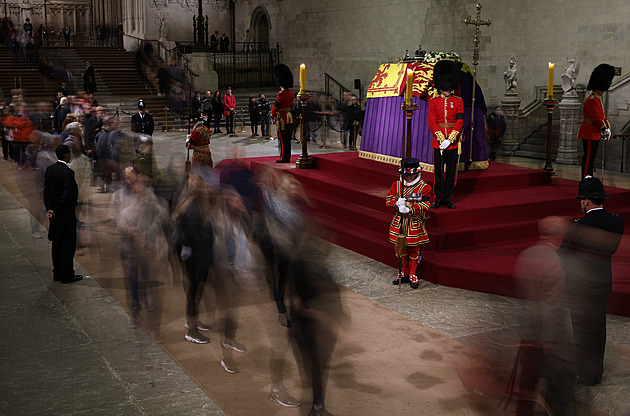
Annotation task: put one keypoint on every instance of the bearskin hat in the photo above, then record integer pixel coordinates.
(446, 75)
(283, 76)
(601, 77)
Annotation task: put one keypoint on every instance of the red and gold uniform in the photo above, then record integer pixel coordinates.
(414, 220)
(200, 143)
(409, 224)
(590, 131)
(284, 121)
(446, 121)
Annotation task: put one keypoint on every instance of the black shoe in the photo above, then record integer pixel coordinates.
(72, 279)
(450, 205)
(56, 279)
(413, 281)
(436, 204)
(282, 161)
(405, 279)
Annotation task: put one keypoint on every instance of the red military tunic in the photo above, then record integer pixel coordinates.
(446, 115)
(282, 106)
(594, 118)
(200, 143)
(415, 231)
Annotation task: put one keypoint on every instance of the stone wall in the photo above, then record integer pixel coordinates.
(348, 39)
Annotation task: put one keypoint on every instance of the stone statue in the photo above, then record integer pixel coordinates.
(570, 76)
(161, 15)
(510, 76)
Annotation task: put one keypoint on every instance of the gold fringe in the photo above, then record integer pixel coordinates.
(401, 245)
(426, 167)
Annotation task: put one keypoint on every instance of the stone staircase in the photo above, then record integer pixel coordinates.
(535, 146)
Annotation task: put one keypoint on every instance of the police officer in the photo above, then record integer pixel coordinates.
(585, 253)
(142, 122)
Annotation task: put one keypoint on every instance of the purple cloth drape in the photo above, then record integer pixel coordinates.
(384, 125)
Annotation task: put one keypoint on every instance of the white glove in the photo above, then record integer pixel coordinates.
(605, 134)
(186, 253)
(445, 144)
(403, 210)
(401, 202)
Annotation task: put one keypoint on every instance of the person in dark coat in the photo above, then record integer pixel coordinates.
(253, 115)
(142, 122)
(217, 110)
(586, 252)
(89, 78)
(195, 244)
(61, 193)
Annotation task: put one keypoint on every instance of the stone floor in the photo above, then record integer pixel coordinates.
(68, 349)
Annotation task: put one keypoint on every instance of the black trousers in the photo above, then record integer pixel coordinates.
(444, 186)
(284, 142)
(588, 158)
(64, 245)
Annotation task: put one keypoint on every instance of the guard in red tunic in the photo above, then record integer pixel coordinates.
(410, 197)
(446, 121)
(595, 126)
(281, 110)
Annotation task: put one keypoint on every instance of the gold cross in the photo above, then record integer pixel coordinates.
(477, 22)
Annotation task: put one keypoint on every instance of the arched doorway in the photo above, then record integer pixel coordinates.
(260, 26)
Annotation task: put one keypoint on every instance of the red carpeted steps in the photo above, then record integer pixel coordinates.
(472, 247)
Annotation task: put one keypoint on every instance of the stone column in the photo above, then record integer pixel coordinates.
(569, 124)
(511, 110)
(208, 79)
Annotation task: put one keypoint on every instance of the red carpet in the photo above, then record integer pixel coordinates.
(473, 247)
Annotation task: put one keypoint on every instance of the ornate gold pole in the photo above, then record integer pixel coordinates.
(477, 22)
(304, 161)
(550, 104)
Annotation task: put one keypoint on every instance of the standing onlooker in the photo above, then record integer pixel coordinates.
(164, 78)
(28, 28)
(224, 43)
(60, 198)
(217, 110)
(495, 129)
(253, 115)
(67, 30)
(206, 109)
(100, 34)
(229, 105)
(89, 78)
(263, 114)
(586, 256)
(214, 42)
(195, 105)
(351, 122)
(174, 69)
(142, 122)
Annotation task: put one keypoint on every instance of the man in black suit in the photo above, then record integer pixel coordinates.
(60, 198)
(142, 122)
(214, 42)
(89, 79)
(586, 252)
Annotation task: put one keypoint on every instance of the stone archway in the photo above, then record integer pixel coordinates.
(261, 25)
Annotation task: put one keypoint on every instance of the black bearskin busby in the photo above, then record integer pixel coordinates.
(601, 77)
(283, 76)
(446, 75)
